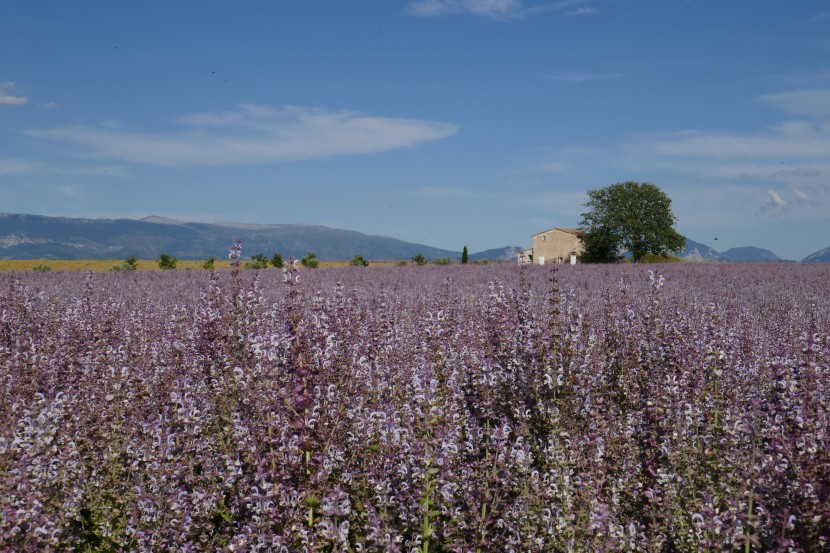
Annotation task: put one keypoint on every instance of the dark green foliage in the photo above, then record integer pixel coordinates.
(358, 261)
(310, 261)
(443, 261)
(419, 259)
(130, 264)
(598, 247)
(464, 256)
(41, 268)
(258, 261)
(166, 262)
(629, 215)
(276, 261)
(209, 263)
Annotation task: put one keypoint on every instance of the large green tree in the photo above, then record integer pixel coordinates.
(631, 216)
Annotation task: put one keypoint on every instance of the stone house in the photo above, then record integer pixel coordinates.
(556, 245)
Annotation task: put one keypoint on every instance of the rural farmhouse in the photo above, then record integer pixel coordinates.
(556, 245)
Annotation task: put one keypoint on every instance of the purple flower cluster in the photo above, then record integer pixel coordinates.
(474, 408)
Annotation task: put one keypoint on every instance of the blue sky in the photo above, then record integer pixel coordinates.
(443, 122)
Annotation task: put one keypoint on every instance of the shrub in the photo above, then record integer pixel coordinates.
(442, 261)
(166, 262)
(419, 259)
(41, 268)
(258, 261)
(358, 261)
(276, 261)
(310, 261)
(209, 263)
(130, 264)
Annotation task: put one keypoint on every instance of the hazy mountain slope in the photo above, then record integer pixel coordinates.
(40, 237)
(819, 256)
(702, 252)
(508, 253)
(697, 251)
(749, 253)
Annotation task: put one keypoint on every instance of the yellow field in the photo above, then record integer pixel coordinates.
(94, 264)
(143, 264)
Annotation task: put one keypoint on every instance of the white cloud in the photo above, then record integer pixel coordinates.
(454, 192)
(555, 167)
(252, 134)
(486, 8)
(581, 77)
(15, 167)
(70, 190)
(6, 97)
(820, 16)
(785, 165)
(796, 140)
(94, 171)
(493, 9)
(814, 102)
(776, 198)
(583, 11)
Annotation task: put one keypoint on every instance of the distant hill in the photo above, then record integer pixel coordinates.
(819, 256)
(749, 253)
(701, 252)
(41, 237)
(508, 253)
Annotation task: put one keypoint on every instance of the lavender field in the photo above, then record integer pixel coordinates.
(459, 408)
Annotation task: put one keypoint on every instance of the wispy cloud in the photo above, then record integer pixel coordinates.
(583, 76)
(94, 171)
(493, 9)
(785, 166)
(776, 204)
(793, 140)
(15, 167)
(485, 8)
(8, 98)
(453, 192)
(815, 102)
(554, 167)
(251, 134)
(583, 11)
(819, 17)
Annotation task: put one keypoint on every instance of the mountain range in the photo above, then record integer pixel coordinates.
(40, 237)
(701, 252)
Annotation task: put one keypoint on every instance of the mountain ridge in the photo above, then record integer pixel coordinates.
(27, 236)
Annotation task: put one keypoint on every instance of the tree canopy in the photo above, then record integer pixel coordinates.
(631, 216)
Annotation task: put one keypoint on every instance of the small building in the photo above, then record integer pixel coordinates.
(556, 245)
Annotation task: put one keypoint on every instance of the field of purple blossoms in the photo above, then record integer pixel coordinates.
(465, 408)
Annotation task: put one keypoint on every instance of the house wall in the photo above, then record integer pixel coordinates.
(555, 246)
